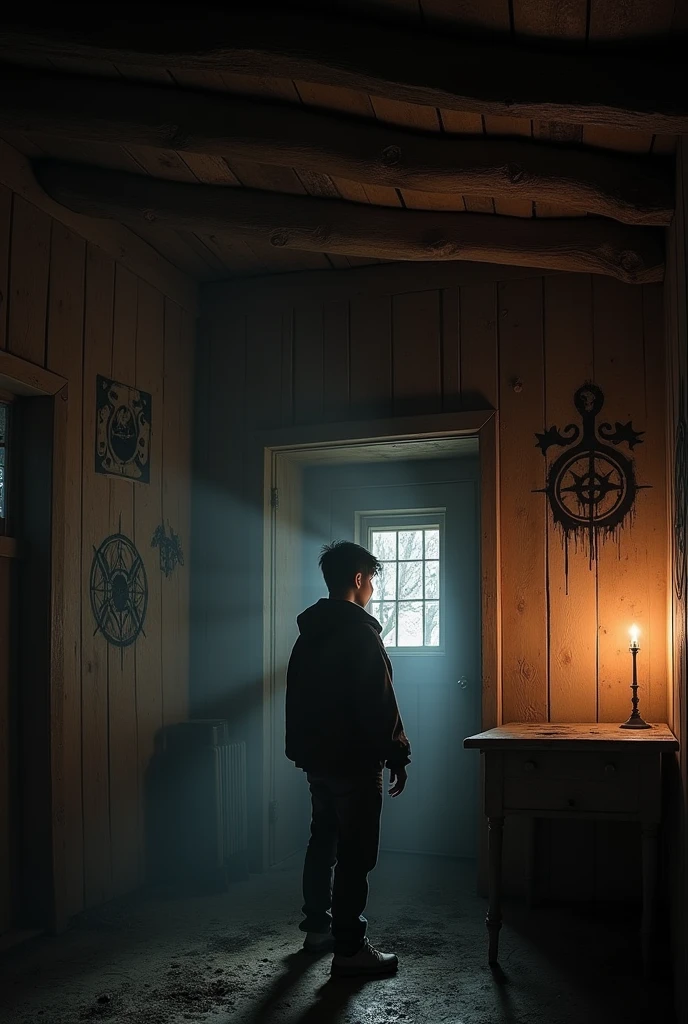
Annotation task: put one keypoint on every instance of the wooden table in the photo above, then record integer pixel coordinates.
(573, 771)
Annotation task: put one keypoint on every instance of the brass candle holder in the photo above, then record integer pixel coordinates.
(635, 721)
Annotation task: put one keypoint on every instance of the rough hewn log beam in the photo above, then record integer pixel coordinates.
(642, 90)
(634, 190)
(589, 245)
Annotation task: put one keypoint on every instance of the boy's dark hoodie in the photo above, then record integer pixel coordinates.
(342, 714)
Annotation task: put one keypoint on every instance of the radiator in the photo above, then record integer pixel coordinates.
(232, 758)
(198, 807)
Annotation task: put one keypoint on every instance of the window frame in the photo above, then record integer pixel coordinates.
(7, 522)
(401, 519)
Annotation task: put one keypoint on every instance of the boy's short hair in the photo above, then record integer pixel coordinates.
(342, 561)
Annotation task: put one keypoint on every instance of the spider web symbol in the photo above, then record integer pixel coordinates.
(119, 591)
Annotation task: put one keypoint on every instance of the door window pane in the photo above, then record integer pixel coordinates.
(386, 614)
(384, 545)
(410, 580)
(432, 580)
(432, 543)
(410, 544)
(406, 599)
(386, 582)
(432, 623)
(410, 624)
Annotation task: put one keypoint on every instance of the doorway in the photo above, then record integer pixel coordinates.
(425, 499)
(33, 408)
(420, 518)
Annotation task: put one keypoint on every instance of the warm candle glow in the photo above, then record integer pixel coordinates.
(634, 633)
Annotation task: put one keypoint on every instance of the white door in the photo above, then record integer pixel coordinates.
(422, 520)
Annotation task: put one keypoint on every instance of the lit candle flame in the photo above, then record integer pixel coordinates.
(634, 633)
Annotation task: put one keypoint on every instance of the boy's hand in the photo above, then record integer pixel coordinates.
(397, 778)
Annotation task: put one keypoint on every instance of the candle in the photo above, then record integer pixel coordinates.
(635, 721)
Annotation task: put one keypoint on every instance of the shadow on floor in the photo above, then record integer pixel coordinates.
(330, 1001)
(597, 950)
(234, 958)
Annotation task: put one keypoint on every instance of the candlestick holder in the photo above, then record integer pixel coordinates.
(635, 721)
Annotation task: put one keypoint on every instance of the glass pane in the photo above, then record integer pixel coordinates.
(383, 544)
(3, 422)
(432, 543)
(410, 624)
(385, 583)
(432, 623)
(410, 580)
(374, 609)
(389, 624)
(2, 483)
(432, 580)
(410, 544)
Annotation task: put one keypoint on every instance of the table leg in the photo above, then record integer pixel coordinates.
(531, 880)
(650, 862)
(495, 832)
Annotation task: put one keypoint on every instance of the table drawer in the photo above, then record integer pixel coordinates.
(538, 793)
(594, 765)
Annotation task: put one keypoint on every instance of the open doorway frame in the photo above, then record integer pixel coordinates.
(285, 451)
(42, 401)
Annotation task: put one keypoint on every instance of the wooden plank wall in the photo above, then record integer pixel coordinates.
(676, 311)
(517, 341)
(6, 842)
(67, 305)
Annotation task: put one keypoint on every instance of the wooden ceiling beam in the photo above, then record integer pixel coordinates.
(627, 88)
(631, 189)
(588, 245)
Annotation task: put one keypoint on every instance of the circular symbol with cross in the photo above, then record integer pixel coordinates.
(591, 485)
(592, 488)
(119, 590)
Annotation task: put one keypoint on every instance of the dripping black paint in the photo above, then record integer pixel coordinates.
(591, 485)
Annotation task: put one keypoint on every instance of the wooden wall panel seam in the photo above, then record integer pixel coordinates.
(147, 509)
(65, 354)
(99, 315)
(571, 576)
(548, 602)
(123, 753)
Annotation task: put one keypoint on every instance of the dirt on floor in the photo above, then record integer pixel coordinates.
(235, 957)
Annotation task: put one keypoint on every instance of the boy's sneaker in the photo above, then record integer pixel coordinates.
(318, 942)
(367, 960)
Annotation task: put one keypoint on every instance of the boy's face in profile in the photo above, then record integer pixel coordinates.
(364, 589)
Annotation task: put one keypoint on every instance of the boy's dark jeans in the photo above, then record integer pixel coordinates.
(343, 848)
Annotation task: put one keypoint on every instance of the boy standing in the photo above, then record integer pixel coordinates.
(343, 727)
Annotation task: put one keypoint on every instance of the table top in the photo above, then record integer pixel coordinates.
(583, 736)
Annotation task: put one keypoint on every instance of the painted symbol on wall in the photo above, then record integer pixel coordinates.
(591, 486)
(680, 494)
(123, 426)
(171, 554)
(119, 590)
